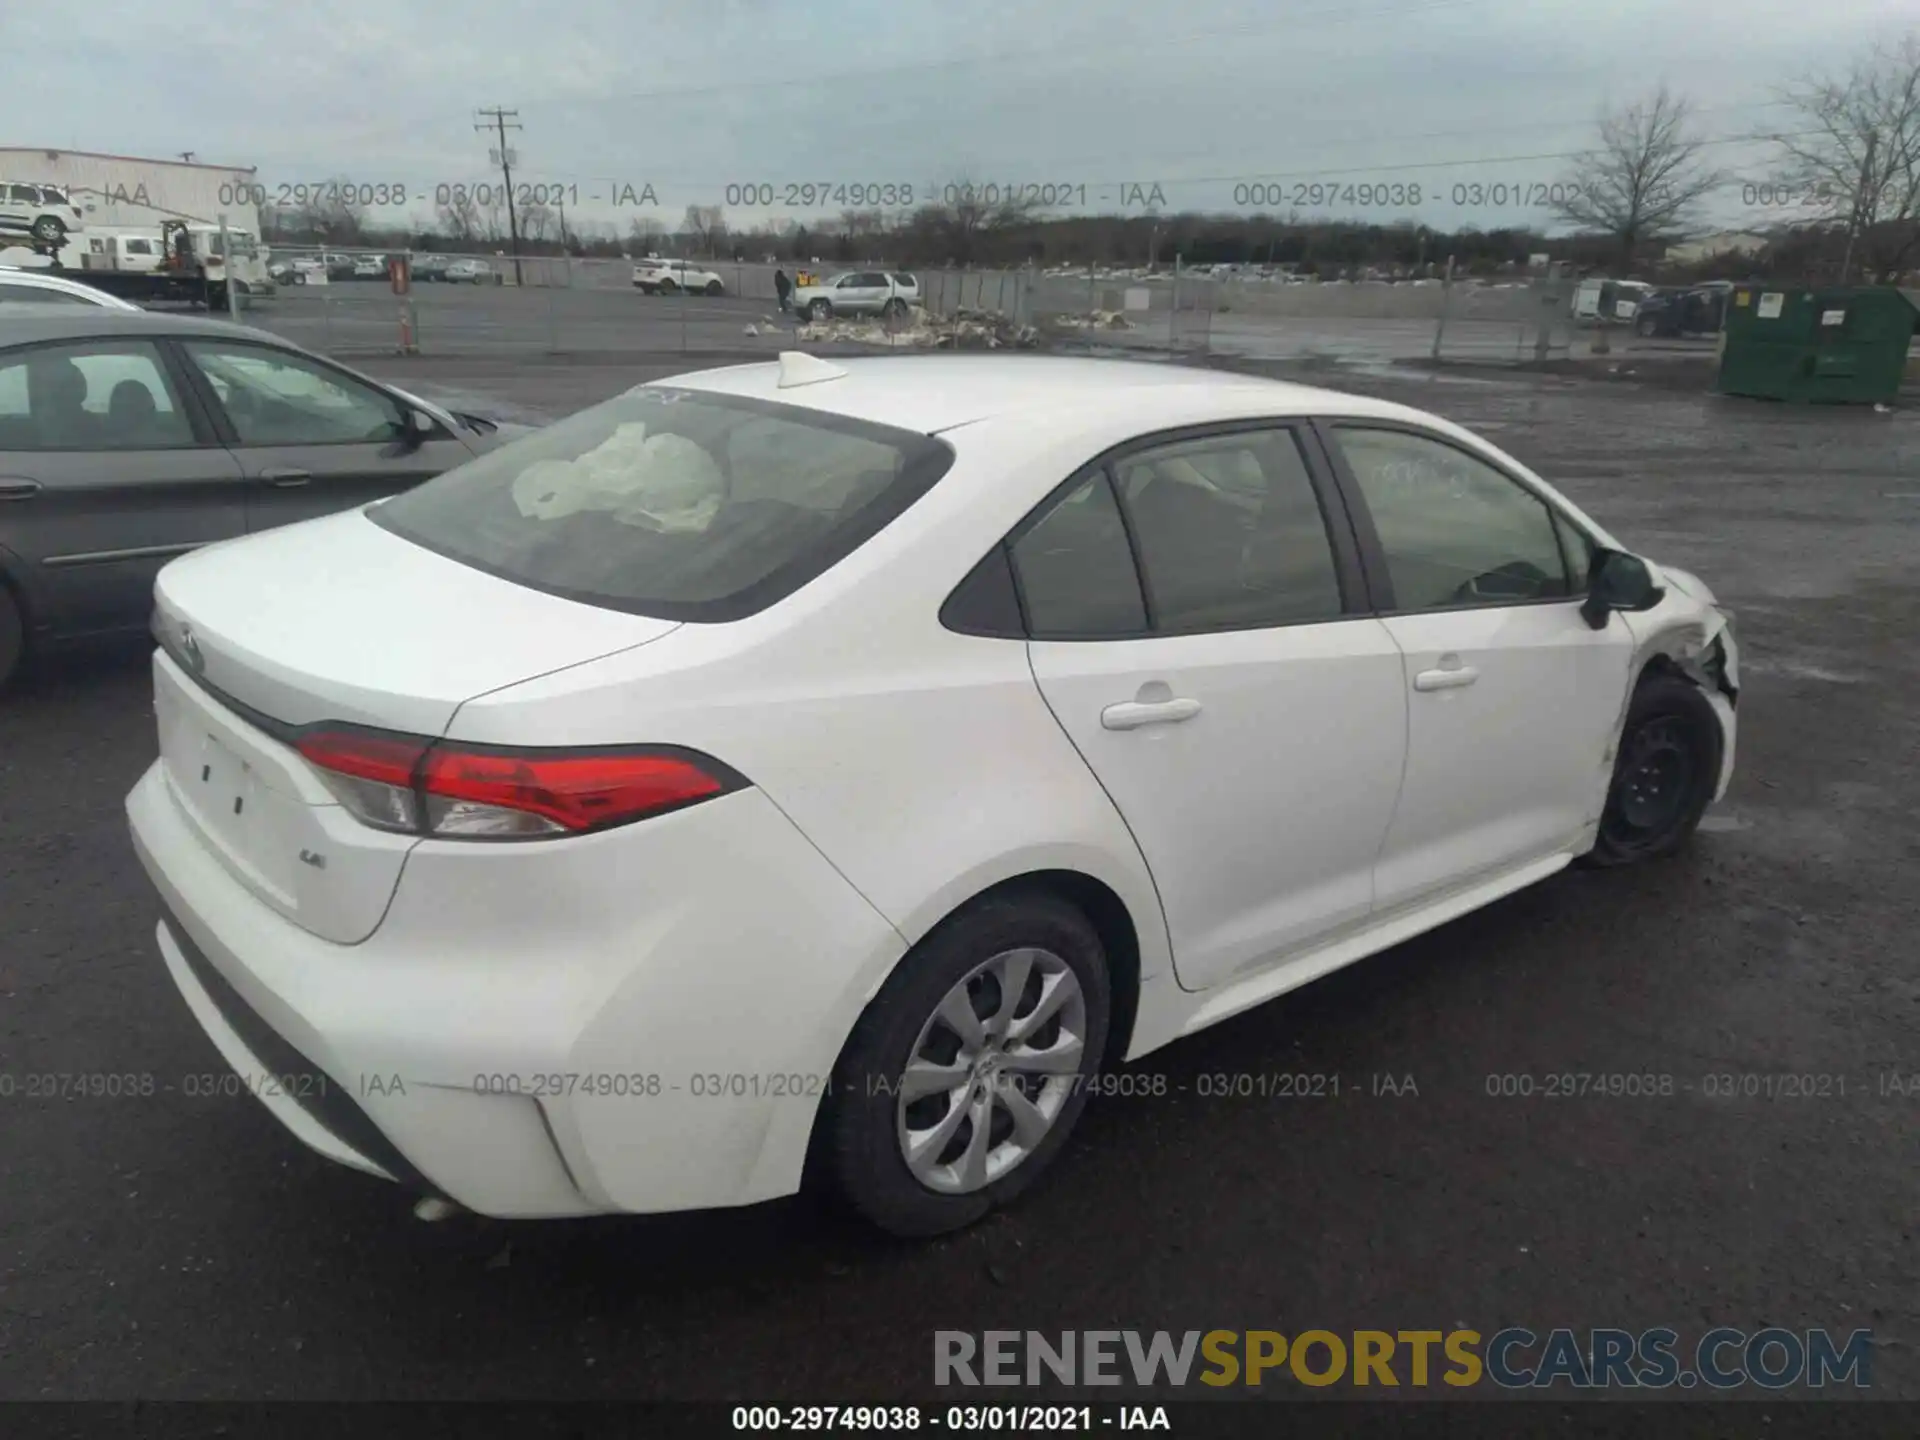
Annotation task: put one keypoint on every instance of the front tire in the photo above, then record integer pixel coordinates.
(50, 230)
(966, 1074)
(1664, 775)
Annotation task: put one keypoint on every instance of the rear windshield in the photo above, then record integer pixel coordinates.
(674, 503)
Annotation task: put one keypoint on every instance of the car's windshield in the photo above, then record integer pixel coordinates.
(673, 502)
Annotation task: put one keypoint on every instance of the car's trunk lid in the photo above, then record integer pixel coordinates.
(336, 620)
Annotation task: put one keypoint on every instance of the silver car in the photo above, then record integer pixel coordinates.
(858, 292)
(127, 438)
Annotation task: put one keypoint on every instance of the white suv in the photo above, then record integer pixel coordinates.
(45, 214)
(654, 276)
(859, 292)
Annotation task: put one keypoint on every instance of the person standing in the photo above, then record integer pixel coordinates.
(783, 287)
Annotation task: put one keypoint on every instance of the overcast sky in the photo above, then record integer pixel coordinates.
(1198, 97)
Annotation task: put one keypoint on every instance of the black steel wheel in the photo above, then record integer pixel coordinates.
(1664, 775)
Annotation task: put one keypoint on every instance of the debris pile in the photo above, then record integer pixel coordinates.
(963, 330)
(1093, 320)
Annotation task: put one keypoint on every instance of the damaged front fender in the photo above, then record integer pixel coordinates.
(1688, 634)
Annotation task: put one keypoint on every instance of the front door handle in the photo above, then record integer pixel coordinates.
(11, 489)
(1446, 678)
(1132, 714)
(286, 478)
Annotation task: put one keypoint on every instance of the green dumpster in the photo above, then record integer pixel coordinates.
(1837, 345)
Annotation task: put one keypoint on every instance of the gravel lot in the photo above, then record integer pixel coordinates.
(177, 1247)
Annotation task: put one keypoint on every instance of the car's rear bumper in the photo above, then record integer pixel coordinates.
(619, 1022)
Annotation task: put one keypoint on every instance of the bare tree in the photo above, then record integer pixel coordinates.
(460, 217)
(1859, 162)
(329, 213)
(963, 225)
(536, 221)
(706, 225)
(1644, 184)
(643, 235)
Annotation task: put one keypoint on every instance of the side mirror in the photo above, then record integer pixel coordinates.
(1618, 581)
(421, 427)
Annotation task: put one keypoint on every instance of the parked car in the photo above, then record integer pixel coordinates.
(129, 437)
(430, 267)
(670, 277)
(339, 267)
(1684, 310)
(19, 286)
(44, 214)
(862, 292)
(472, 272)
(369, 267)
(609, 815)
(296, 269)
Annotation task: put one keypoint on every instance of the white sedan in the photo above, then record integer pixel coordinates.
(855, 759)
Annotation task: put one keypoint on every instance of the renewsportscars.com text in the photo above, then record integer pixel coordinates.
(1513, 1358)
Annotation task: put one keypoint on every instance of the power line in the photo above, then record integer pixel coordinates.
(996, 57)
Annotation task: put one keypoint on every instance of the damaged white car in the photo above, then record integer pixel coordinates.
(827, 769)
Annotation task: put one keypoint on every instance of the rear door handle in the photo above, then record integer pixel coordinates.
(11, 489)
(286, 478)
(1446, 679)
(1132, 714)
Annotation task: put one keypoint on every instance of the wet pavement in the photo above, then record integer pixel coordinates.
(172, 1245)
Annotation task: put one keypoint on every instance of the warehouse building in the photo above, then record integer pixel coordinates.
(123, 191)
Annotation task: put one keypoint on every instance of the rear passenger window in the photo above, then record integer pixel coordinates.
(1230, 533)
(1076, 572)
(94, 395)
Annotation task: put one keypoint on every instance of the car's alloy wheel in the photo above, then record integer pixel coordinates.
(1645, 327)
(819, 310)
(1664, 776)
(968, 1071)
(49, 230)
(894, 308)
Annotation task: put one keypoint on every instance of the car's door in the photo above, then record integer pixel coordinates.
(107, 471)
(1513, 697)
(18, 205)
(313, 440)
(1246, 718)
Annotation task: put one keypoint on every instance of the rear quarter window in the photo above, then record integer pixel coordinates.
(675, 503)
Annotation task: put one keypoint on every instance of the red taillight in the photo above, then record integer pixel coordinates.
(409, 784)
(573, 792)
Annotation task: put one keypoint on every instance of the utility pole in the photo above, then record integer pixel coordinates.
(497, 121)
(1859, 215)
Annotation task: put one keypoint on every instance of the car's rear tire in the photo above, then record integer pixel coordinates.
(715, 288)
(1017, 1087)
(894, 308)
(13, 636)
(50, 230)
(818, 310)
(1664, 776)
(1644, 327)
(668, 287)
